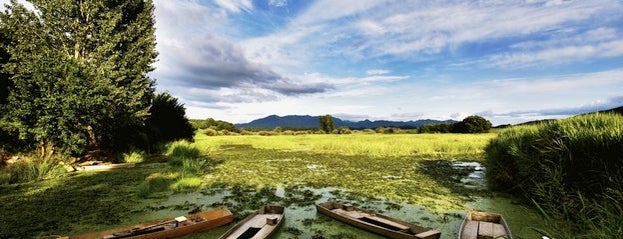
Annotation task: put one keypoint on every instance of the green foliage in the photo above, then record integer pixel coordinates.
(326, 124)
(167, 120)
(571, 168)
(216, 125)
(436, 128)
(182, 149)
(472, 124)
(134, 157)
(344, 130)
(78, 72)
(28, 170)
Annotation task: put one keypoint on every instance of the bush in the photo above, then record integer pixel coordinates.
(167, 120)
(571, 168)
(210, 132)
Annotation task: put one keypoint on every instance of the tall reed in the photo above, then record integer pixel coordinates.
(571, 168)
(31, 169)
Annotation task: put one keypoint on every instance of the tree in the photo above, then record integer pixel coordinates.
(473, 124)
(79, 71)
(167, 120)
(326, 124)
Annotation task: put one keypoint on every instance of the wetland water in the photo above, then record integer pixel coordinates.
(302, 220)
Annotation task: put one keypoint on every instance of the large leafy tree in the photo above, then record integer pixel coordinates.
(473, 124)
(79, 71)
(326, 123)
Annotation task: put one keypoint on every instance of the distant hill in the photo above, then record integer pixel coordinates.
(306, 121)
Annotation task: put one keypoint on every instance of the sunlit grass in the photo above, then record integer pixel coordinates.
(374, 145)
(370, 164)
(134, 157)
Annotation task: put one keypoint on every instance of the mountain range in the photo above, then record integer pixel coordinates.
(307, 121)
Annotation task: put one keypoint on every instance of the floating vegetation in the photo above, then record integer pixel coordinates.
(244, 173)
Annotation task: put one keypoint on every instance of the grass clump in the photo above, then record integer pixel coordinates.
(572, 169)
(134, 157)
(31, 169)
(182, 149)
(156, 182)
(187, 183)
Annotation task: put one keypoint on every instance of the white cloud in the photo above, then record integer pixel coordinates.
(278, 3)
(235, 6)
(556, 56)
(377, 72)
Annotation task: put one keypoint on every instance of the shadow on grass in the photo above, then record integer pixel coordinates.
(51, 207)
(105, 198)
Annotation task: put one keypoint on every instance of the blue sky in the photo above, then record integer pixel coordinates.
(509, 61)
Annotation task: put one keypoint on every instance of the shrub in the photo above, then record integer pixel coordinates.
(344, 130)
(267, 133)
(210, 132)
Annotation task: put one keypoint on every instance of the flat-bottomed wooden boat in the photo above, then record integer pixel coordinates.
(484, 225)
(170, 228)
(263, 223)
(380, 224)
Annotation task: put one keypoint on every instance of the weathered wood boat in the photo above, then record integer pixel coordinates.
(170, 228)
(263, 223)
(380, 224)
(484, 225)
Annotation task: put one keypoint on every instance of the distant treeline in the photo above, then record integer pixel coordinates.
(212, 127)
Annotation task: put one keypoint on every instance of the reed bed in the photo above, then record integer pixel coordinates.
(572, 169)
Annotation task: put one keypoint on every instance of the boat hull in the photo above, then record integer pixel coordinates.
(198, 222)
(477, 225)
(380, 224)
(262, 223)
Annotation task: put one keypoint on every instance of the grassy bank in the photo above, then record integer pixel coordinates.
(572, 169)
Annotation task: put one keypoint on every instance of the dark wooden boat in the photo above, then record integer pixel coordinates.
(263, 223)
(484, 225)
(380, 224)
(170, 228)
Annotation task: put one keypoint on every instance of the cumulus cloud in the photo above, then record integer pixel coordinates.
(193, 60)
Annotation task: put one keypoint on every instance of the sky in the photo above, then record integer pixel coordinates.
(508, 61)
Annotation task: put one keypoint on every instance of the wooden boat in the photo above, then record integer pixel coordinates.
(380, 224)
(484, 225)
(261, 224)
(170, 228)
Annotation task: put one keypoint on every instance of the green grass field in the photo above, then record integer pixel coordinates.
(410, 176)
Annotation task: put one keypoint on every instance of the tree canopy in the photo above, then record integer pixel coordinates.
(326, 124)
(473, 124)
(78, 72)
